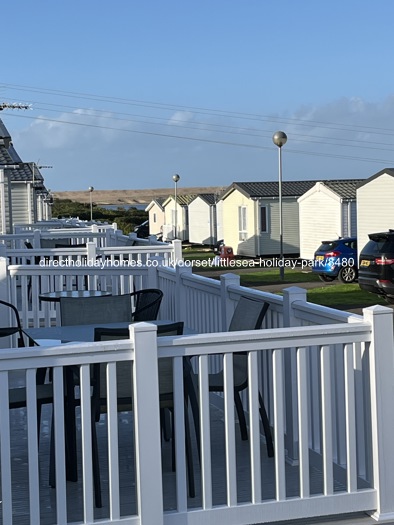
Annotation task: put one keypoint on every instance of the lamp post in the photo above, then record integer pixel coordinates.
(176, 178)
(279, 138)
(91, 203)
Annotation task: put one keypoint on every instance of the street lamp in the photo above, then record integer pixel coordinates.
(279, 138)
(91, 203)
(176, 178)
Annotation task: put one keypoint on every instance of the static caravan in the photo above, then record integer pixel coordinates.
(375, 210)
(327, 211)
(23, 196)
(176, 224)
(202, 219)
(156, 216)
(250, 220)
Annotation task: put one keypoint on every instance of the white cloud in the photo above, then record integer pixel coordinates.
(180, 117)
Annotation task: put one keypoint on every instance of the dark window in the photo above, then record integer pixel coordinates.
(263, 219)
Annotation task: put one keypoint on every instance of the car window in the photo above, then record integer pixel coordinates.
(377, 247)
(327, 246)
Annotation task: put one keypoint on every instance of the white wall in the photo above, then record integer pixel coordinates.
(375, 208)
(156, 226)
(201, 228)
(320, 212)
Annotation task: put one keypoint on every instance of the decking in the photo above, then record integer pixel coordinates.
(127, 471)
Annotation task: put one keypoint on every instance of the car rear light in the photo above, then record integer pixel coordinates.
(382, 261)
(332, 254)
(383, 281)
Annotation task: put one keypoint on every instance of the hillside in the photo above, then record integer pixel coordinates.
(122, 197)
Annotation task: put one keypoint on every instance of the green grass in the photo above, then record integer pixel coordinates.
(263, 277)
(343, 296)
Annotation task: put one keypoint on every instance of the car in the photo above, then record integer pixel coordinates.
(142, 230)
(376, 265)
(336, 259)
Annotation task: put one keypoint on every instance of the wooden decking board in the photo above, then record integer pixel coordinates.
(127, 471)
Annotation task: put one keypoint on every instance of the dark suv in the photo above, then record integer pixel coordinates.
(376, 268)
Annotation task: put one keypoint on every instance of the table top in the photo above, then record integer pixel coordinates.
(55, 296)
(78, 333)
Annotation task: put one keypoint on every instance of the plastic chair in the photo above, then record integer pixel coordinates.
(147, 303)
(248, 315)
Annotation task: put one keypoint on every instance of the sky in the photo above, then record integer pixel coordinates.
(124, 94)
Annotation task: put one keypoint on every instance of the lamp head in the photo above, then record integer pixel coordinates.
(90, 188)
(279, 138)
(176, 177)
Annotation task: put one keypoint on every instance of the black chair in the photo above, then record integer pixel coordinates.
(146, 303)
(124, 393)
(18, 395)
(15, 326)
(248, 315)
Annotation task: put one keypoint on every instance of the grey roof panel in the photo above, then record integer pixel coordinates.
(271, 189)
(209, 198)
(10, 156)
(344, 188)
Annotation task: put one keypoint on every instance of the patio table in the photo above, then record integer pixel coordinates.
(80, 333)
(55, 296)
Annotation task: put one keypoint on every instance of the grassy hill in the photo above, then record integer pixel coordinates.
(122, 197)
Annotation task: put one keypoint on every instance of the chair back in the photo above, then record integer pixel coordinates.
(93, 310)
(14, 326)
(147, 303)
(124, 369)
(12, 321)
(248, 314)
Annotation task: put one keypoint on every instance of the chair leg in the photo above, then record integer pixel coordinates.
(96, 467)
(267, 428)
(189, 456)
(241, 416)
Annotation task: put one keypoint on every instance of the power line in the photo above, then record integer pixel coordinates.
(208, 111)
(211, 141)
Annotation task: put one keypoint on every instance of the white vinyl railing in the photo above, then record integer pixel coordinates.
(345, 486)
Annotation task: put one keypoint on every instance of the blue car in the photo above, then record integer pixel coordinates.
(336, 259)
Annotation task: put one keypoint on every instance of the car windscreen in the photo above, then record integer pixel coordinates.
(379, 246)
(327, 246)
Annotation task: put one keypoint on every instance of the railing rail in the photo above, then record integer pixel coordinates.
(344, 487)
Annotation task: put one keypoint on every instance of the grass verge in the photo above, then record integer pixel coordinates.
(344, 297)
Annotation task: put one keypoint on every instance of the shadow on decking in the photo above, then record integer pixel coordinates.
(127, 471)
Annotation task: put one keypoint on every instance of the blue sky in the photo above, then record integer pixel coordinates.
(126, 93)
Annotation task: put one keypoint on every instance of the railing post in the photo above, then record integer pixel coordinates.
(177, 255)
(381, 352)
(4, 289)
(91, 253)
(227, 307)
(5, 342)
(180, 293)
(147, 424)
(290, 295)
(153, 264)
(37, 239)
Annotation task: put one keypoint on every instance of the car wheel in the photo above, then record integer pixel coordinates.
(326, 278)
(347, 274)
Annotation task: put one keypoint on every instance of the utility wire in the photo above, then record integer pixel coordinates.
(211, 141)
(208, 111)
